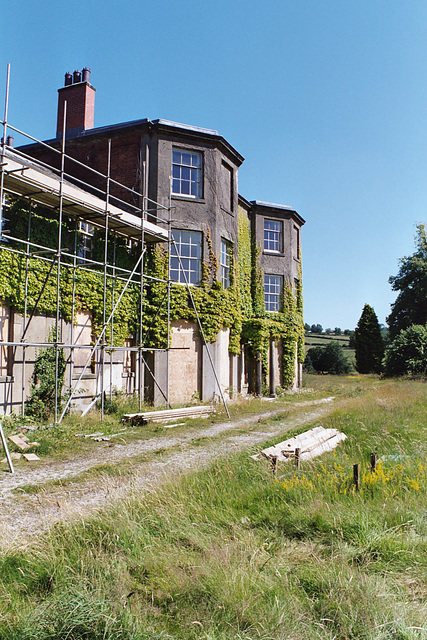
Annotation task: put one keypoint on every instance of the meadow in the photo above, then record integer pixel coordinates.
(234, 553)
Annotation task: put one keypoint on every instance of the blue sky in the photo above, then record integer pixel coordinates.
(325, 99)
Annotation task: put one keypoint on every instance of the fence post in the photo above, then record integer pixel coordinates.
(297, 458)
(373, 462)
(356, 476)
(274, 464)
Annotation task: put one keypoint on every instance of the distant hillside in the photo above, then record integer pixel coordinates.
(322, 339)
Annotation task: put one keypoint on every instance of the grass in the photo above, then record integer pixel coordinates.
(321, 340)
(67, 440)
(232, 553)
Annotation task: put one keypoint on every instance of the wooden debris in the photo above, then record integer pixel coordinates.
(164, 415)
(14, 455)
(31, 457)
(175, 424)
(19, 442)
(311, 443)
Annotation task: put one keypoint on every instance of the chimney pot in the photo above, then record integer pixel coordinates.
(9, 140)
(80, 97)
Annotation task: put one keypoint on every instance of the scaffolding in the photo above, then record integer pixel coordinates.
(73, 199)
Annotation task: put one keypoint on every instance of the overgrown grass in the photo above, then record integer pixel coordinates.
(232, 553)
(68, 439)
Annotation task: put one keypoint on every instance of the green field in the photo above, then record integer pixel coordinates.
(233, 553)
(320, 340)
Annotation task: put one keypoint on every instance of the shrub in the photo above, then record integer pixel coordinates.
(42, 399)
(407, 353)
(328, 359)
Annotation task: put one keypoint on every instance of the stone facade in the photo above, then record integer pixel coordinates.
(193, 174)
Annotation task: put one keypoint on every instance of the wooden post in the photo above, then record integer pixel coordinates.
(297, 458)
(373, 462)
(274, 464)
(356, 476)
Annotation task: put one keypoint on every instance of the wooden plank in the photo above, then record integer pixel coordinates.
(310, 444)
(19, 442)
(31, 457)
(169, 414)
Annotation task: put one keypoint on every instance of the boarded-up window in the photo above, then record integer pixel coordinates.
(227, 187)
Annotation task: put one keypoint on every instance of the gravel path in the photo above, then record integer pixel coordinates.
(26, 515)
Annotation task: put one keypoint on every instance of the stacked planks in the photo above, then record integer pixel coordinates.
(311, 443)
(165, 415)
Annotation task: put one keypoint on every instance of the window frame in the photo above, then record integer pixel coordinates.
(179, 173)
(175, 267)
(297, 235)
(86, 234)
(269, 240)
(273, 298)
(226, 265)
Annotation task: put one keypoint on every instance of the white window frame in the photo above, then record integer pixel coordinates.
(273, 236)
(226, 262)
(85, 248)
(187, 173)
(188, 245)
(273, 287)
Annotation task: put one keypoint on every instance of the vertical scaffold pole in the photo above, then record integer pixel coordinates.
(112, 319)
(3, 148)
(104, 311)
(73, 304)
(27, 260)
(6, 450)
(58, 273)
(144, 209)
(168, 332)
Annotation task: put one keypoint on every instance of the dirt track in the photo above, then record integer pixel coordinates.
(25, 515)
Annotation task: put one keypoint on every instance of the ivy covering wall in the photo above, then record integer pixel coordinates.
(240, 308)
(260, 326)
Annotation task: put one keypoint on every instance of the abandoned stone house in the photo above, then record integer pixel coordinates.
(230, 303)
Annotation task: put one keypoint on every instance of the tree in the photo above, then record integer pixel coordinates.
(316, 328)
(407, 353)
(337, 331)
(328, 359)
(368, 342)
(410, 306)
(307, 327)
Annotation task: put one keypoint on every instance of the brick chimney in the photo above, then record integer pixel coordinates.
(80, 97)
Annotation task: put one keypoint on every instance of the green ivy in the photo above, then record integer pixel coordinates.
(41, 403)
(240, 307)
(245, 264)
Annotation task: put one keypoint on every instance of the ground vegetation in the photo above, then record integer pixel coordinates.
(235, 552)
(329, 358)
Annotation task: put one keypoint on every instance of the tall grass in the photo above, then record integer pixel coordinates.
(233, 553)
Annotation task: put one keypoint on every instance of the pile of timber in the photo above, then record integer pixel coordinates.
(165, 415)
(311, 443)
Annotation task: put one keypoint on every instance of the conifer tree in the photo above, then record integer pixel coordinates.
(368, 342)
